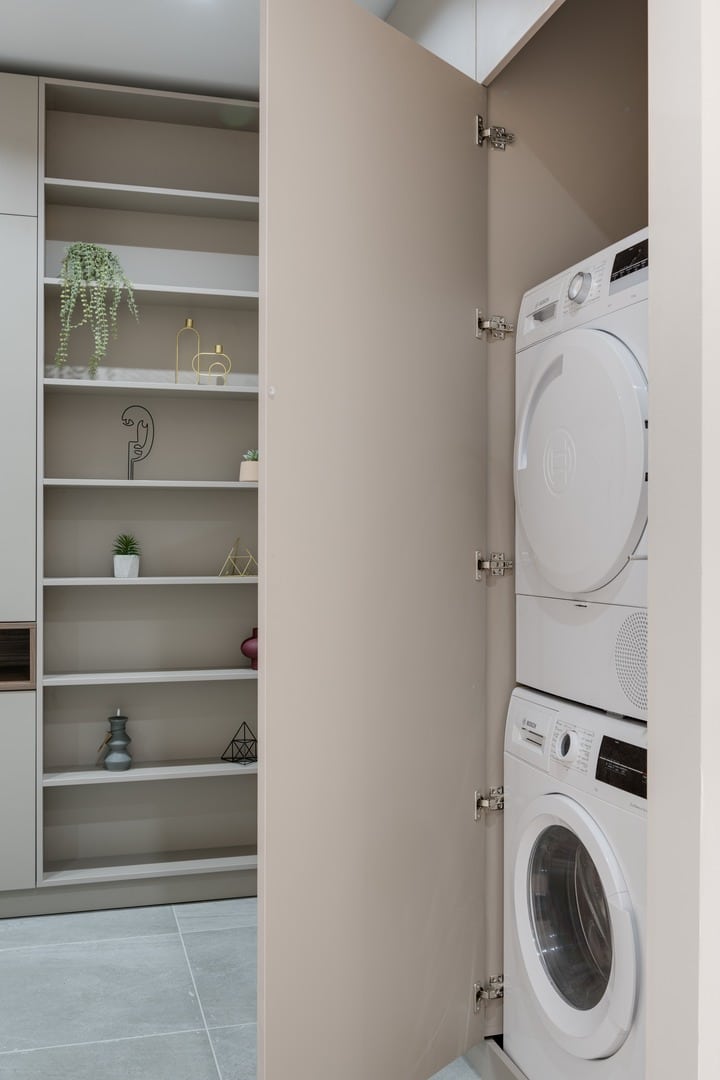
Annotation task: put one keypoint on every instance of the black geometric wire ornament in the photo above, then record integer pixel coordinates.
(242, 746)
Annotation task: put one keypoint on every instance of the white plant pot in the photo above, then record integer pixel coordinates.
(249, 471)
(126, 566)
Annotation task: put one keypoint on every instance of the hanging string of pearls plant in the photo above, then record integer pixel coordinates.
(92, 287)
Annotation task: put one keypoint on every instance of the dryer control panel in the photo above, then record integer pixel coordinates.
(611, 279)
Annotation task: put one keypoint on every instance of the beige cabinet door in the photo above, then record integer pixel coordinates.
(19, 141)
(18, 449)
(17, 791)
(373, 261)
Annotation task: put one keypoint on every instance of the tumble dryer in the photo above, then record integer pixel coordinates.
(575, 842)
(581, 480)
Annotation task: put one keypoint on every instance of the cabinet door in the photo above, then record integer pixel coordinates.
(19, 141)
(18, 449)
(373, 260)
(17, 791)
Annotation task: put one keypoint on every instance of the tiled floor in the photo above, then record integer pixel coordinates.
(164, 993)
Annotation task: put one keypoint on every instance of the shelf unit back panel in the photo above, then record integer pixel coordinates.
(182, 448)
(149, 343)
(89, 630)
(113, 820)
(179, 532)
(166, 722)
(122, 228)
(151, 153)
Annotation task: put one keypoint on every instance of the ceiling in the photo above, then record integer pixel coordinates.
(205, 46)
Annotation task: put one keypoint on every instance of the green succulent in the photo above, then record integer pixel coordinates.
(126, 545)
(251, 455)
(92, 277)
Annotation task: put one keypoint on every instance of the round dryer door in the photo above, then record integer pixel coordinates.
(581, 459)
(575, 928)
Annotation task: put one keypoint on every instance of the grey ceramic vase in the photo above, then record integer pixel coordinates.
(117, 757)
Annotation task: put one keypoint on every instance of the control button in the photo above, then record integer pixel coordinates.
(569, 747)
(580, 287)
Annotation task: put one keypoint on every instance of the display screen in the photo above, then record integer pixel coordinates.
(623, 766)
(631, 259)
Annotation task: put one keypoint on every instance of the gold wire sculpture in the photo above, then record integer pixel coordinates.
(189, 326)
(240, 562)
(220, 365)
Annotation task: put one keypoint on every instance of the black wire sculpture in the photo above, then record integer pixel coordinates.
(138, 448)
(242, 747)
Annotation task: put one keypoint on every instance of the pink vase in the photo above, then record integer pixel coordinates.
(249, 648)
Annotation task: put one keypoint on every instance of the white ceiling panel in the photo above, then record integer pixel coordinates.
(206, 46)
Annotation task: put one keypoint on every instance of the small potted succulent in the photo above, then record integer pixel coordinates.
(126, 556)
(249, 467)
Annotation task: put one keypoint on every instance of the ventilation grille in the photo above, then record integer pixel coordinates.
(631, 658)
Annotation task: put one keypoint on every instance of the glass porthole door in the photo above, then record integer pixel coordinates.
(575, 928)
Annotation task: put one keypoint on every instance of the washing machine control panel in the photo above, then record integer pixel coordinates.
(572, 745)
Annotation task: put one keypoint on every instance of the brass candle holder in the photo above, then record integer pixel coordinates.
(219, 366)
(189, 327)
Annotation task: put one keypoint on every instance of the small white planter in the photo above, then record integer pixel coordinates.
(249, 471)
(126, 566)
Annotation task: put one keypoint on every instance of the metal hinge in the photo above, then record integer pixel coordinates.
(495, 989)
(495, 800)
(496, 565)
(498, 137)
(496, 327)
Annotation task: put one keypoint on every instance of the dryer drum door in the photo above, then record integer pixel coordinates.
(575, 928)
(581, 459)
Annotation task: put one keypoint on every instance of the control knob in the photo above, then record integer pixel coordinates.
(579, 288)
(569, 747)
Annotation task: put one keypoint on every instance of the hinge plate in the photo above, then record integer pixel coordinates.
(495, 565)
(495, 989)
(494, 800)
(498, 137)
(496, 327)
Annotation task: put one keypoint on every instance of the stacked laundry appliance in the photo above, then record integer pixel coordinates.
(576, 737)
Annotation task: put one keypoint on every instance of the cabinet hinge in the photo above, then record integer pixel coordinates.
(498, 137)
(494, 800)
(495, 565)
(495, 989)
(496, 327)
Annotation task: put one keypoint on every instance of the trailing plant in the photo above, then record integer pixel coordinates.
(92, 278)
(125, 545)
(251, 455)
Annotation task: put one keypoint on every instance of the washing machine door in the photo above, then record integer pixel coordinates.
(575, 928)
(581, 459)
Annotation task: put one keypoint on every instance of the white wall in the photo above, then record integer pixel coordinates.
(476, 36)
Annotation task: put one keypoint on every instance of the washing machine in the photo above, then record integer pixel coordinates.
(575, 843)
(581, 482)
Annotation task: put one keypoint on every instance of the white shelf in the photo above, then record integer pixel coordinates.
(228, 579)
(149, 389)
(121, 678)
(147, 771)
(178, 296)
(79, 482)
(160, 864)
(60, 192)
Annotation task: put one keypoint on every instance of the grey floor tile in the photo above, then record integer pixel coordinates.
(458, 1070)
(224, 964)
(236, 1051)
(162, 1057)
(64, 994)
(86, 926)
(216, 915)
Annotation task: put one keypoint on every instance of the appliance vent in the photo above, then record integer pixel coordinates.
(631, 658)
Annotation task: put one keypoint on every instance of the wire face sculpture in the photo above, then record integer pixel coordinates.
(139, 447)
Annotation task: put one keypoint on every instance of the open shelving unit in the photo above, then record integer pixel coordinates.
(170, 183)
